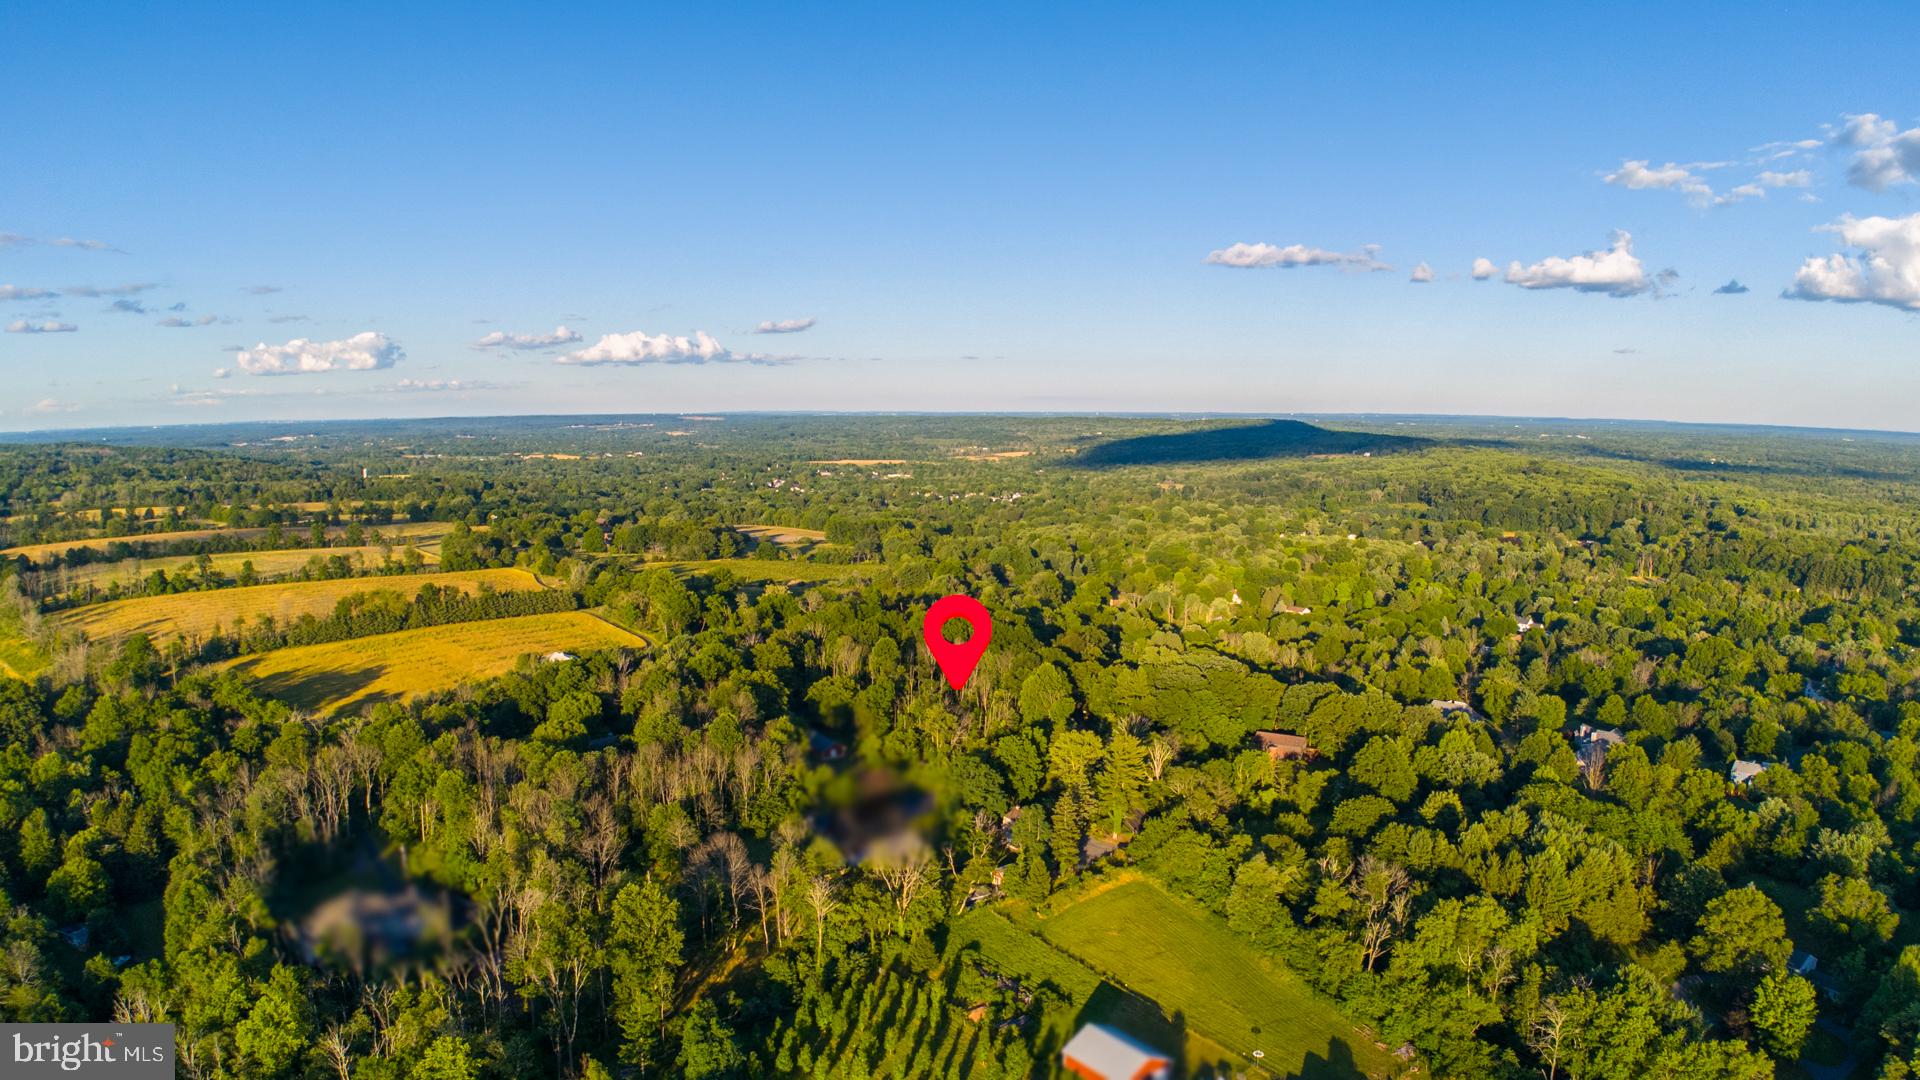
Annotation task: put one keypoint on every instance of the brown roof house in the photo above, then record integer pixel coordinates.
(1279, 744)
(1098, 1052)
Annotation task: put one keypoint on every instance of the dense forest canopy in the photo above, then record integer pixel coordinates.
(1614, 728)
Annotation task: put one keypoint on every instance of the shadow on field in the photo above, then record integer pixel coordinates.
(1242, 442)
(309, 689)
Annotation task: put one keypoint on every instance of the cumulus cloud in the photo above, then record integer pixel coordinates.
(1615, 271)
(22, 326)
(1886, 270)
(1731, 288)
(221, 373)
(784, 326)
(1883, 155)
(500, 339)
(1422, 274)
(361, 352)
(130, 289)
(640, 347)
(1798, 178)
(1256, 256)
(24, 292)
(128, 307)
(1484, 269)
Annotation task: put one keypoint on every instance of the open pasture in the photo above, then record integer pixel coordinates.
(342, 675)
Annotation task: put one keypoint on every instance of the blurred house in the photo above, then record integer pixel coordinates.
(1098, 1052)
(1279, 744)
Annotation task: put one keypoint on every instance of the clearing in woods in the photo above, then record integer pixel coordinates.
(270, 565)
(1214, 993)
(195, 614)
(782, 534)
(364, 671)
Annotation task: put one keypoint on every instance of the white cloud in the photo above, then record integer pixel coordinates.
(1641, 176)
(784, 326)
(22, 326)
(1644, 176)
(1484, 269)
(361, 352)
(1422, 273)
(109, 290)
(500, 339)
(640, 347)
(418, 385)
(1883, 155)
(1887, 270)
(221, 373)
(1614, 271)
(1256, 256)
(175, 320)
(49, 405)
(24, 292)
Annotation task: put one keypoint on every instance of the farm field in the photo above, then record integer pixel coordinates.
(38, 552)
(195, 614)
(343, 675)
(418, 531)
(1191, 964)
(268, 564)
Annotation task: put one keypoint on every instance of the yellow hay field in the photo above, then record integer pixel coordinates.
(343, 675)
(195, 614)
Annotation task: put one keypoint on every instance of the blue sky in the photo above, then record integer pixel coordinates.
(988, 208)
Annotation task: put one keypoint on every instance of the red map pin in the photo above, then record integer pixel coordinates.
(957, 659)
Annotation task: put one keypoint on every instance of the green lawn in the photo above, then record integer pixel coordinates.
(1133, 956)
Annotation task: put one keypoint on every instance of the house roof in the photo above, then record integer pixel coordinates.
(1108, 1052)
(1272, 740)
(1743, 771)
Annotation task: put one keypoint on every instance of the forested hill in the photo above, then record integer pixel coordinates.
(1241, 442)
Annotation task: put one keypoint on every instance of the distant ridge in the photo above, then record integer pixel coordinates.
(1242, 442)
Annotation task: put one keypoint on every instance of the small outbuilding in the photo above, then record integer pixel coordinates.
(1279, 744)
(1744, 771)
(1098, 1052)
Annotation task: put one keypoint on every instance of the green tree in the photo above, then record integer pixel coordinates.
(1784, 1008)
(707, 1045)
(278, 1027)
(644, 954)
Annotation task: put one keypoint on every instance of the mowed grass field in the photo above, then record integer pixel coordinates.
(782, 534)
(195, 614)
(420, 532)
(1163, 948)
(351, 674)
(268, 564)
